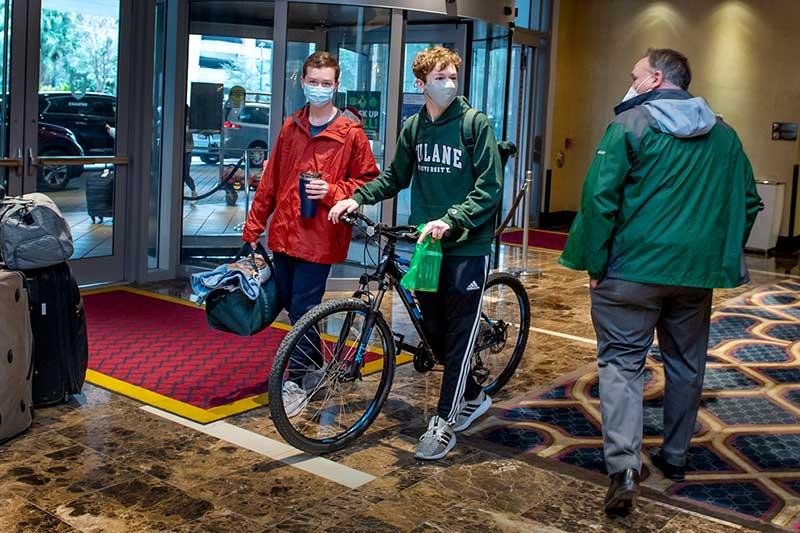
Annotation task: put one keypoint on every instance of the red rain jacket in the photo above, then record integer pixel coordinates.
(343, 157)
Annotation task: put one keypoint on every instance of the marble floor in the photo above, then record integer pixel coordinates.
(102, 463)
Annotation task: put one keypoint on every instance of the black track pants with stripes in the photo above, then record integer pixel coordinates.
(451, 318)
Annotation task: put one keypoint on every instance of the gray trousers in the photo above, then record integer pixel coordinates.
(625, 314)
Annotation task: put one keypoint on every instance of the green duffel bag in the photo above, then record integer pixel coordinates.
(234, 312)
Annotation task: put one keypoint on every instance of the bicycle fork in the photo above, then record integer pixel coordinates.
(366, 331)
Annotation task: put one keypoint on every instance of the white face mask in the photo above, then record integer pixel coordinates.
(630, 94)
(633, 92)
(442, 92)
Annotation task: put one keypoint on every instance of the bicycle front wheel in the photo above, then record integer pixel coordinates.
(331, 376)
(503, 334)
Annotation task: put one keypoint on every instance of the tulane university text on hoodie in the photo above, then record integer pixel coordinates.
(669, 198)
(451, 183)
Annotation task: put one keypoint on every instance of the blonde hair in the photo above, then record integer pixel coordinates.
(430, 59)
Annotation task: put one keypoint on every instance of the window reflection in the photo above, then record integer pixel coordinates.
(226, 139)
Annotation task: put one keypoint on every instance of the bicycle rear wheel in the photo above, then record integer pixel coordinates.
(503, 333)
(344, 371)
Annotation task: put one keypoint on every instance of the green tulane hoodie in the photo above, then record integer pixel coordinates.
(450, 183)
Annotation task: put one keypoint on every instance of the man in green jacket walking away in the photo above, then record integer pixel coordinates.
(456, 190)
(667, 206)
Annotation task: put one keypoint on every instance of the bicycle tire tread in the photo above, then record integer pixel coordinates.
(279, 418)
(518, 288)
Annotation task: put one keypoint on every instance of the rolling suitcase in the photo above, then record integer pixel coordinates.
(60, 344)
(16, 357)
(100, 195)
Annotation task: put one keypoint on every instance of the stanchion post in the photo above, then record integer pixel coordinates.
(246, 183)
(526, 226)
(526, 220)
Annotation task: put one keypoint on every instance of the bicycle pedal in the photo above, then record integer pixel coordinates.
(399, 339)
(480, 375)
(422, 363)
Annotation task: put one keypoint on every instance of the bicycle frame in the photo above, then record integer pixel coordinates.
(387, 275)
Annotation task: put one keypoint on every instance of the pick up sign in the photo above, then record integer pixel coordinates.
(368, 104)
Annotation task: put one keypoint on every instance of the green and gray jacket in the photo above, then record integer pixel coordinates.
(669, 198)
(460, 186)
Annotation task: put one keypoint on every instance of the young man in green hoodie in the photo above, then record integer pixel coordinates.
(455, 193)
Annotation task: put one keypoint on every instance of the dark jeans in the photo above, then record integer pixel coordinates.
(187, 169)
(301, 286)
(625, 315)
(451, 319)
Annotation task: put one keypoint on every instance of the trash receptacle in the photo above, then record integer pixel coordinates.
(767, 227)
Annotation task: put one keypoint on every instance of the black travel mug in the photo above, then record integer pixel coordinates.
(308, 207)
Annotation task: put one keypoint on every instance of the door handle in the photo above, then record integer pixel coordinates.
(33, 161)
(14, 163)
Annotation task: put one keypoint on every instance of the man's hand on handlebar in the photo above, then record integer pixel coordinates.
(436, 229)
(342, 207)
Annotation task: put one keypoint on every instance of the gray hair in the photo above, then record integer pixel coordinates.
(672, 64)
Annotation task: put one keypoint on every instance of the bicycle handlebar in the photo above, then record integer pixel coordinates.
(403, 233)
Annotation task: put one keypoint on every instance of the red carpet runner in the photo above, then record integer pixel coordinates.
(160, 351)
(550, 240)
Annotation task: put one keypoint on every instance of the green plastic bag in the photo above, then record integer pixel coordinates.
(423, 274)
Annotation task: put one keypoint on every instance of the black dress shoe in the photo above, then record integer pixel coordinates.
(622, 492)
(670, 471)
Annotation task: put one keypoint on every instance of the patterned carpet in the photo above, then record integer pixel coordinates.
(745, 457)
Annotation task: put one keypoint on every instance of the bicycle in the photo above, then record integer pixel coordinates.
(345, 348)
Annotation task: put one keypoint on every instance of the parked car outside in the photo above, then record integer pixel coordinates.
(85, 115)
(57, 141)
(246, 129)
(206, 146)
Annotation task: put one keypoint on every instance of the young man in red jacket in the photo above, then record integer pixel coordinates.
(322, 139)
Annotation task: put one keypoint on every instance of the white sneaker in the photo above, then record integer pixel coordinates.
(294, 399)
(472, 410)
(193, 201)
(437, 441)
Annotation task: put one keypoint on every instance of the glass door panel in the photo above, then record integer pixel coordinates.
(487, 90)
(488, 82)
(77, 117)
(516, 108)
(9, 164)
(154, 212)
(229, 46)
(359, 38)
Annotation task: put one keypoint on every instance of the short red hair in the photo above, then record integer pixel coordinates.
(321, 60)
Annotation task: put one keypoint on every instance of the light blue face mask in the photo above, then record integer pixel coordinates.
(318, 96)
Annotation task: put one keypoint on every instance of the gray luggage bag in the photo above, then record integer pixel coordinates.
(33, 232)
(16, 356)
